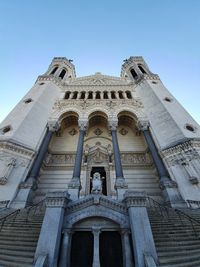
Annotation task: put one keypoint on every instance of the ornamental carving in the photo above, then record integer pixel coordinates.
(59, 159)
(73, 132)
(123, 131)
(98, 131)
(136, 158)
(182, 154)
(6, 171)
(57, 199)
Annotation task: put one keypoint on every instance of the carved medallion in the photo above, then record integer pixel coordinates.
(73, 132)
(123, 131)
(98, 131)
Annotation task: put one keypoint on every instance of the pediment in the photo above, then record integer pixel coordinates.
(99, 79)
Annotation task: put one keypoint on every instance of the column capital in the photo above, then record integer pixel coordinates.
(135, 199)
(83, 124)
(143, 125)
(113, 124)
(57, 199)
(53, 125)
(166, 182)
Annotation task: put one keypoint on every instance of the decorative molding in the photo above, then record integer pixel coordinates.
(183, 153)
(83, 124)
(12, 147)
(135, 199)
(7, 170)
(96, 200)
(59, 159)
(136, 159)
(57, 199)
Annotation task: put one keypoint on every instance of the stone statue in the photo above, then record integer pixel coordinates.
(96, 183)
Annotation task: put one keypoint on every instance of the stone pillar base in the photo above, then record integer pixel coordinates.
(170, 193)
(24, 195)
(121, 187)
(50, 235)
(142, 237)
(74, 188)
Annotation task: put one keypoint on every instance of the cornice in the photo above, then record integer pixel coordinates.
(12, 147)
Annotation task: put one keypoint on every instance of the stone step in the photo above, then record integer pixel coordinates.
(178, 259)
(192, 263)
(20, 243)
(18, 247)
(19, 238)
(16, 259)
(7, 263)
(28, 254)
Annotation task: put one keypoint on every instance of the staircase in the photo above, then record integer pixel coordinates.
(19, 234)
(177, 237)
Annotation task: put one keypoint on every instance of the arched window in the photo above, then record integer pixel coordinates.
(113, 96)
(82, 95)
(62, 74)
(67, 95)
(98, 95)
(90, 95)
(134, 74)
(54, 70)
(105, 95)
(75, 95)
(128, 94)
(121, 95)
(142, 69)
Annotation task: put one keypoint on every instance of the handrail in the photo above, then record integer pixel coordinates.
(181, 214)
(27, 211)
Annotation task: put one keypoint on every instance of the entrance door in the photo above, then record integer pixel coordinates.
(82, 249)
(102, 172)
(110, 249)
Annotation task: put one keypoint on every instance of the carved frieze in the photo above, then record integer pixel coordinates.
(59, 159)
(11, 147)
(138, 158)
(182, 153)
(8, 164)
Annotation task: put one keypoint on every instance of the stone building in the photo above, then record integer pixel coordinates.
(106, 168)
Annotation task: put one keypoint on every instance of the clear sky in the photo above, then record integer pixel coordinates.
(98, 36)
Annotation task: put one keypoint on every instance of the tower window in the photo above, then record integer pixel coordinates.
(67, 95)
(190, 128)
(128, 94)
(121, 95)
(75, 95)
(62, 74)
(54, 70)
(82, 95)
(28, 100)
(154, 82)
(105, 95)
(141, 69)
(6, 129)
(98, 95)
(134, 74)
(113, 96)
(90, 96)
(168, 99)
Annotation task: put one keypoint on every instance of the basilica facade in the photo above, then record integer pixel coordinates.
(102, 153)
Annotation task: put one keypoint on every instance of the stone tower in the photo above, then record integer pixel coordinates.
(96, 149)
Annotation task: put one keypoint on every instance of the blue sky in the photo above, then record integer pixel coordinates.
(98, 36)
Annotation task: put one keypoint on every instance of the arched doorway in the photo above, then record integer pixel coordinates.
(96, 242)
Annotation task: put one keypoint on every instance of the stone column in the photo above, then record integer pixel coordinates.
(169, 187)
(86, 95)
(50, 234)
(116, 95)
(109, 95)
(65, 249)
(79, 95)
(127, 253)
(75, 183)
(124, 95)
(143, 242)
(120, 184)
(26, 188)
(96, 260)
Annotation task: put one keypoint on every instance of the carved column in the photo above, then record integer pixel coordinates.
(127, 253)
(120, 184)
(142, 238)
(109, 95)
(26, 188)
(117, 95)
(75, 183)
(50, 234)
(101, 95)
(86, 95)
(71, 95)
(124, 95)
(169, 187)
(96, 260)
(65, 249)
(7, 170)
(79, 95)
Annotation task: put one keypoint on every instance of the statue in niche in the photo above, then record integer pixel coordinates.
(96, 183)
